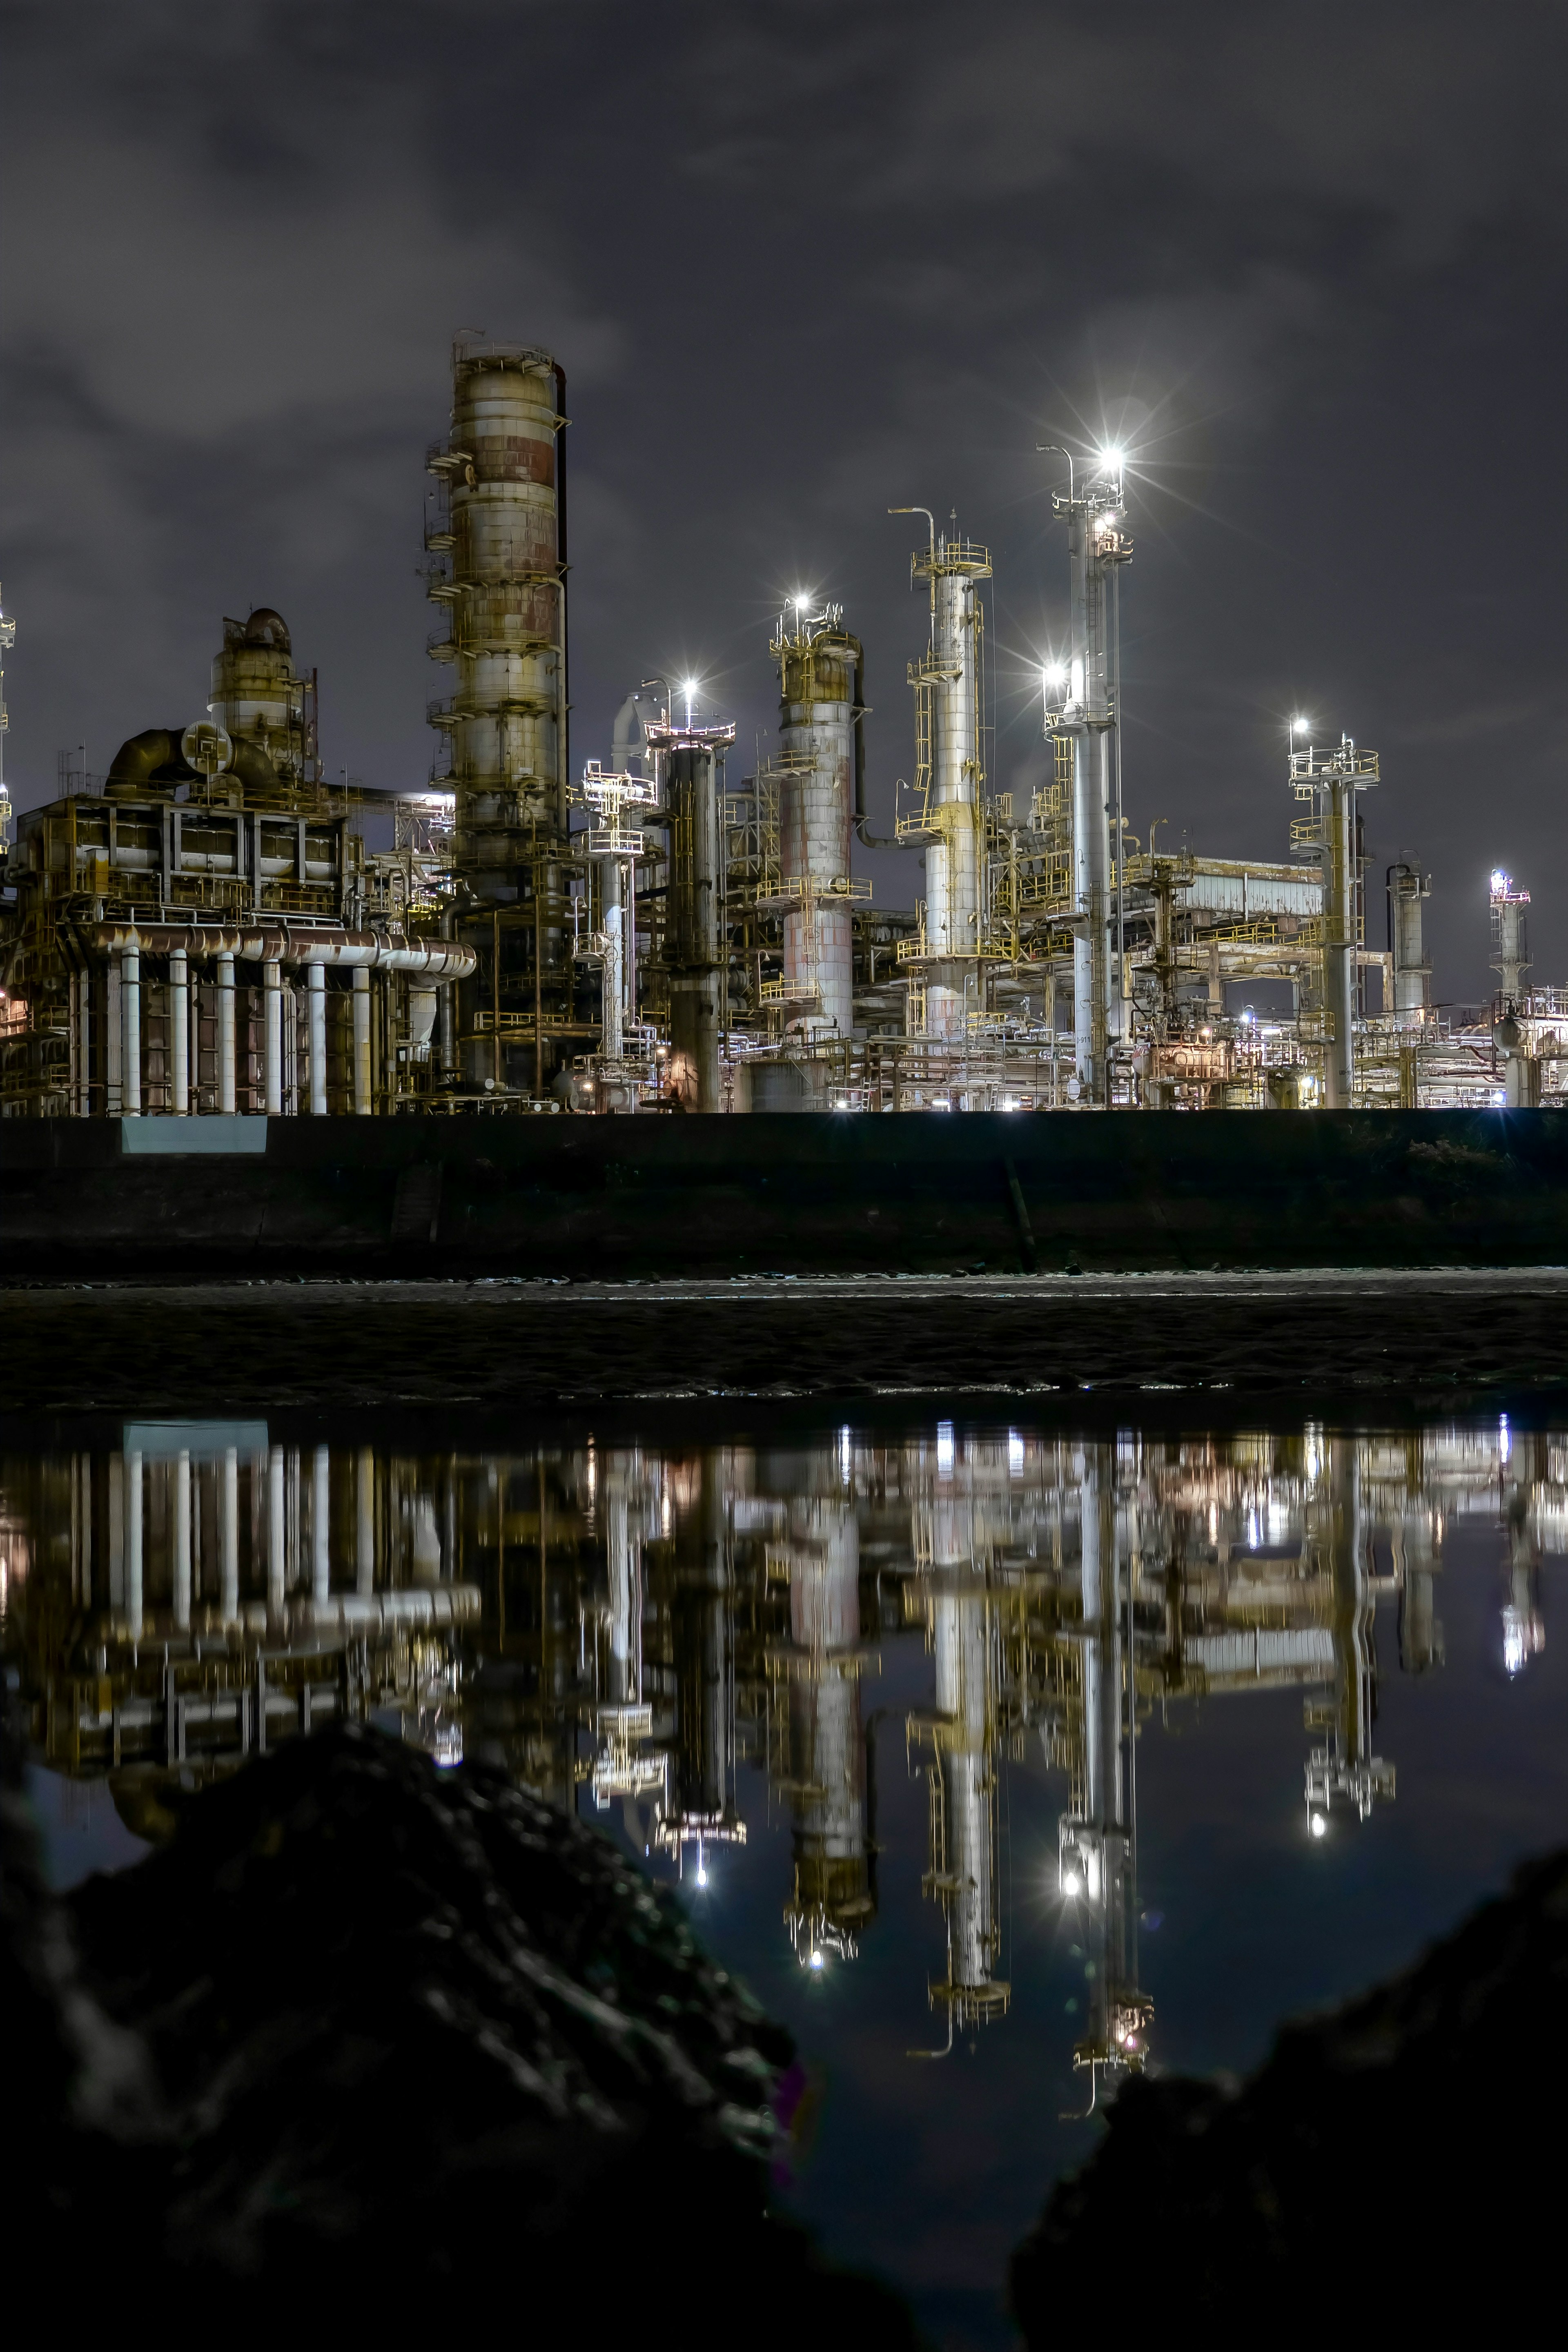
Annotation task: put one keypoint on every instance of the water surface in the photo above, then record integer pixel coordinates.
(1002, 1758)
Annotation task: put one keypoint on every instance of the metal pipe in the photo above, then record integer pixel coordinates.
(131, 1032)
(329, 944)
(227, 1098)
(273, 1026)
(114, 1040)
(364, 1522)
(180, 1032)
(316, 1036)
(362, 1105)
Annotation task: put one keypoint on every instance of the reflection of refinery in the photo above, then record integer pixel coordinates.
(649, 1626)
(201, 929)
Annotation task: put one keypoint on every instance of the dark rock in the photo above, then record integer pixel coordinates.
(1387, 2163)
(416, 2036)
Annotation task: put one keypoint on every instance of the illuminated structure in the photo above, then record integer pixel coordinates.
(204, 931)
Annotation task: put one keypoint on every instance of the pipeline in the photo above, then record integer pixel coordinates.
(441, 958)
(871, 840)
(154, 754)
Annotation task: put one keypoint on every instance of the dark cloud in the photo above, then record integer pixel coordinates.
(802, 263)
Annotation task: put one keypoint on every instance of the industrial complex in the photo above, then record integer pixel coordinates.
(203, 930)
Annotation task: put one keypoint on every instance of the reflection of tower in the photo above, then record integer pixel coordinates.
(1523, 1626)
(962, 1730)
(831, 1899)
(622, 1767)
(704, 1811)
(1417, 1561)
(1345, 1765)
(1097, 1843)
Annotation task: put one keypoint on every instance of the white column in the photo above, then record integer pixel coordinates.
(133, 1545)
(272, 976)
(180, 1031)
(316, 1027)
(275, 1532)
(321, 1519)
(365, 1521)
(111, 1041)
(131, 1033)
(361, 1042)
(225, 1078)
(229, 1561)
(183, 1542)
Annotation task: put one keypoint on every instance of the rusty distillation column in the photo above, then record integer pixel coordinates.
(497, 537)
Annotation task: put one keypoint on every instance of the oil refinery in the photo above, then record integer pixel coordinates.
(203, 930)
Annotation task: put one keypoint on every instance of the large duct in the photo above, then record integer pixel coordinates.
(497, 536)
(817, 665)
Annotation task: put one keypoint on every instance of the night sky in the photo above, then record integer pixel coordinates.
(802, 262)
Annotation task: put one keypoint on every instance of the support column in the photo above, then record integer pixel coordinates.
(226, 1074)
(84, 1044)
(131, 1033)
(321, 1520)
(183, 1542)
(272, 978)
(229, 1555)
(180, 1032)
(361, 1042)
(316, 1036)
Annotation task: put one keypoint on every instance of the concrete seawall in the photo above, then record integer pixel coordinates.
(1154, 1192)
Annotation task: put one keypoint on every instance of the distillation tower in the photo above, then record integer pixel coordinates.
(950, 772)
(690, 763)
(497, 536)
(1331, 781)
(820, 667)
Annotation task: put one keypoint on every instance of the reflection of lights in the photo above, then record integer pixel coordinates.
(1015, 1454)
(702, 1875)
(1072, 1886)
(1319, 1826)
(1504, 1439)
(945, 1449)
(816, 1960)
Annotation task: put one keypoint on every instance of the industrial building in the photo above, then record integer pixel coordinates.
(682, 1632)
(203, 930)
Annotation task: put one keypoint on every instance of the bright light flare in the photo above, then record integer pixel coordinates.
(1319, 1826)
(1113, 458)
(1072, 1886)
(816, 1960)
(1055, 673)
(702, 1875)
(1300, 726)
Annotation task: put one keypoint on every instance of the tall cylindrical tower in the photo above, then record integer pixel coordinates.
(1412, 972)
(1097, 543)
(691, 760)
(1511, 945)
(817, 666)
(949, 765)
(497, 536)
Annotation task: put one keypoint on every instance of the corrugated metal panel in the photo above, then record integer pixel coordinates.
(1256, 894)
(1300, 1649)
